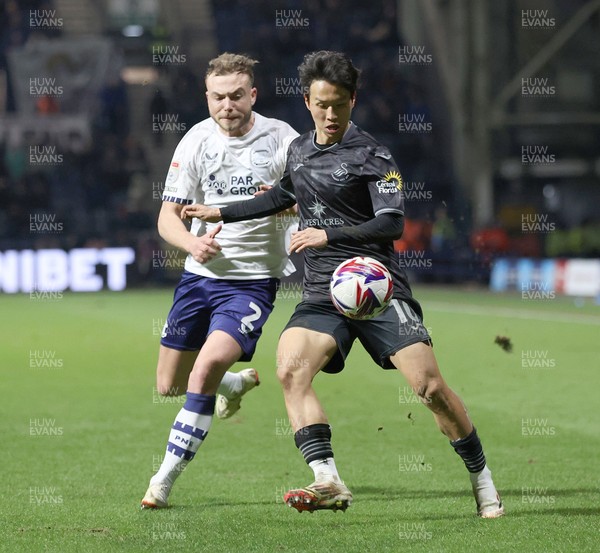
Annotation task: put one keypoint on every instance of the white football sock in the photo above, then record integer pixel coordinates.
(189, 430)
(231, 384)
(483, 486)
(325, 469)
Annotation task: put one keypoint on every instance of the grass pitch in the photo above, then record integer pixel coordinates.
(83, 430)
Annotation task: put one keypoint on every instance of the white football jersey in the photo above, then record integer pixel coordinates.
(215, 170)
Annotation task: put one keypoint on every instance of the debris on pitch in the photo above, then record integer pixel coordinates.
(504, 342)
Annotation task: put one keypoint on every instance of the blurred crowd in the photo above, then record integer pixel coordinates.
(368, 32)
(95, 192)
(84, 191)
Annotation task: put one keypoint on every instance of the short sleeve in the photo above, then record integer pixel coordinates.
(183, 177)
(384, 181)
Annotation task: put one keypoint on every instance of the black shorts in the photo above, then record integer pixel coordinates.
(397, 327)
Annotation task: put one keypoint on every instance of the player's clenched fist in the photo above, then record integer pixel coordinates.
(204, 248)
(208, 214)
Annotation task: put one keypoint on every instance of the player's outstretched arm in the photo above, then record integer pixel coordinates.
(200, 211)
(272, 201)
(265, 188)
(172, 230)
(382, 228)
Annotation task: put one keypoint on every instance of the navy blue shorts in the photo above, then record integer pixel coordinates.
(200, 305)
(397, 327)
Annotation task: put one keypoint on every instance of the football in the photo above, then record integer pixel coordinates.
(361, 288)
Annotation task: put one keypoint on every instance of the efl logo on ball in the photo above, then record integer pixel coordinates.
(361, 288)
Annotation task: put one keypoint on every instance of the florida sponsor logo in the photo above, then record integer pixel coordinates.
(390, 184)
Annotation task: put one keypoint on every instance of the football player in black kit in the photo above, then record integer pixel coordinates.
(347, 188)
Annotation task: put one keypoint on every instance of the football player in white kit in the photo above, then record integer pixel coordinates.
(231, 273)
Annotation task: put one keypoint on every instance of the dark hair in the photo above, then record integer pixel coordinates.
(334, 67)
(228, 63)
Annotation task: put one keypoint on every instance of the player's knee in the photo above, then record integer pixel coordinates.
(433, 393)
(214, 361)
(289, 374)
(285, 376)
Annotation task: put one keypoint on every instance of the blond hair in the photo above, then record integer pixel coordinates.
(227, 64)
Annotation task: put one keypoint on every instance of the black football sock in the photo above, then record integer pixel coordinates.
(314, 442)
(470, 451)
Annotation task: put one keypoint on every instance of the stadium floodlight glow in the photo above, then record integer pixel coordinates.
(132, 31)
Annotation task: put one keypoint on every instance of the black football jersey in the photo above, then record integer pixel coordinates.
(345, 184)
